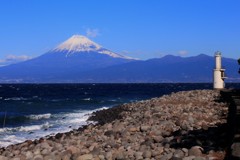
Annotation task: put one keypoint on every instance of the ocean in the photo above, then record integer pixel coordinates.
(31, 111)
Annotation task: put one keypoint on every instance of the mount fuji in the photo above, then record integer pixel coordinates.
(78, 44)
(74, 56)
(80, 60)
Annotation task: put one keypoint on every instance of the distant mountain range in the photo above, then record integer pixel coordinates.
(169, 69)
(80, 60)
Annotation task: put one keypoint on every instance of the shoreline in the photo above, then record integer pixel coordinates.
(183, 125)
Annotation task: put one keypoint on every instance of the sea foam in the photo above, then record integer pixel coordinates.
(39, 116)
(56, 123)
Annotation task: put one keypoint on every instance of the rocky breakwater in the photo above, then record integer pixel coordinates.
(188, 125)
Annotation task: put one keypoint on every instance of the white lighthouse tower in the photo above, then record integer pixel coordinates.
(218, 72)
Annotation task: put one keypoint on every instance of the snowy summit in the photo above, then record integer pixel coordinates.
(80, 44)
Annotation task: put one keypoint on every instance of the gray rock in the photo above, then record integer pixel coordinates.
(38, 157)
(166, 133)
(189, 158)
(138, 155)
(145, 128)
(45, 145)
(95, 151)
(191, 119)
(58, 146)
(7, 154)
(50, 157)
(29, 155)
(65, 156)
(16, 152)
(85, 157)
(147, 154)
(143, 147)
(178, 154)
(176, 158)
(185, 150)
(155, 153)
(119, 156)
(195, 151)
(73, 149)
(199, 158)
(134, 129)
(164, 157)
(3, 158)
(130, 153)
(45, 152)
(109, 156)
(101, 157)
(158, 139)
(118, 128)
(170, 155)
(167, 156)
(109, 133)
(37, 152)
(236, 150)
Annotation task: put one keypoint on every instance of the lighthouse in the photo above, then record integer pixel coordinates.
(218, 72)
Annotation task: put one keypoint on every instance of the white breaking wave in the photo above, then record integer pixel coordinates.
(34, 127)
(79, 117)
(100, 109)
(59, 123)
(11, 139)
(39, 116)
(25, 128)
(15, 99)
(113, 100)
(5, 129)
(87, 99)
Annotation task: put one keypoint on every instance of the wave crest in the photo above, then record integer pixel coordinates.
(34, 127)
(39, 116)
(26, 128)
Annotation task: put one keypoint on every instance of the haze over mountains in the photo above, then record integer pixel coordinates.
(80, 60)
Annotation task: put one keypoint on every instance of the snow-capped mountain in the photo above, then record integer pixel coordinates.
(80, 60)
(81, 44)
(78, 43)
(76, 55)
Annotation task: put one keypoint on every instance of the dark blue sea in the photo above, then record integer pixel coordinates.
(30, 111)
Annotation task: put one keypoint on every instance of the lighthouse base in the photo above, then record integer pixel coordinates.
(218, 82)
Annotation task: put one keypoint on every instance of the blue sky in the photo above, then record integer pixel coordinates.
(138, 28)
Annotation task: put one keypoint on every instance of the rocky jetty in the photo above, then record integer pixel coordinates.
(188, 125)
